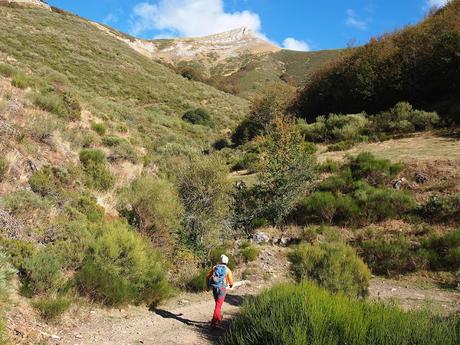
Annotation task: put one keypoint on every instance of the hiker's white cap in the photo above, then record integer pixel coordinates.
(224, 259)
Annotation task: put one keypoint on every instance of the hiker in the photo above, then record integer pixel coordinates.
(218, 278)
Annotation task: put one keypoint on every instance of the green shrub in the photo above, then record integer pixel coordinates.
(6, 275)
(50, 102)
(87, 204)
(42, 182)
(349, 211)
(391, 256)
(310, 148)
(72, 240)
(376, 204)
(22, 202)
(343, 128)
(306, 314)
(205, 192)
(99, 128)
(185, 265)
(95, 156)
(50, 180)
(316, 131)
(42, 127)
(153, 206)
(347, 197)
(198, 283)
(443, 251)
(319, 206)
(42, 273)
(198, 116)
(122, 268)
(249, 161)
(329, 166)
(375, 171)
(51, 308)
(249, 253)
(4, 166)
(7, 70)
(441, 208)
(342, 182)
(403, 118)
(341, 146)
(63, 104)
(20, 80)
(334, 266)
(18, 251)
(112, 140)
(96, 172)
(220, 144)
(423, 120)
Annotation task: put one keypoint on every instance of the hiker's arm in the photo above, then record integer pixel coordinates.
(207, 279)
(230, 278)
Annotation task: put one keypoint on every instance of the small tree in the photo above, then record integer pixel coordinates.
(153, 206)
(265, 108)
(286, 169)
(205, 192)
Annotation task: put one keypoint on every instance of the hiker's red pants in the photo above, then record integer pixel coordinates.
(219, 297)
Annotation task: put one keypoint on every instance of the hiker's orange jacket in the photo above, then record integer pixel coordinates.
(228, 276)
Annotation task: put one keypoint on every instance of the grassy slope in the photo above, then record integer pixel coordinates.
(301, 65)
(111, 79)
(246, 75)
(294, 67)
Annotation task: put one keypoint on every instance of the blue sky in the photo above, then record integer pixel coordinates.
(295, 24)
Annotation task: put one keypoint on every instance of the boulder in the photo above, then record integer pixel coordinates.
(400, 183)
(260, 237)
(420, 178)
(284, 241)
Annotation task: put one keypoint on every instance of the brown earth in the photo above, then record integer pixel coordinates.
(185, 319)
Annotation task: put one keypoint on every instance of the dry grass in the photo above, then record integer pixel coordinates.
(422, 147)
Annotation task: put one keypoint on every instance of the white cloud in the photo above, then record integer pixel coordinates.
(190, 18)
(353, 21)
(113, 17)
(436, 3)
(110, 18)
(293, 44)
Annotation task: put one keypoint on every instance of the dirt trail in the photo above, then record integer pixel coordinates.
(184, 321)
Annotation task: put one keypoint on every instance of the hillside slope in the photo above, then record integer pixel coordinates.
(109, 78)
(236, 61)
(419, 64)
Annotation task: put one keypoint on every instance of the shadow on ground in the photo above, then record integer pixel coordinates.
(204, 328)
(235, 300)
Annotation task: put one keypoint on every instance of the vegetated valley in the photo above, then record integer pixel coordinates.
(124, 175)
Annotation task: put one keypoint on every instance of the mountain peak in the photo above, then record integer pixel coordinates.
(231, 43)
(27, 3)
